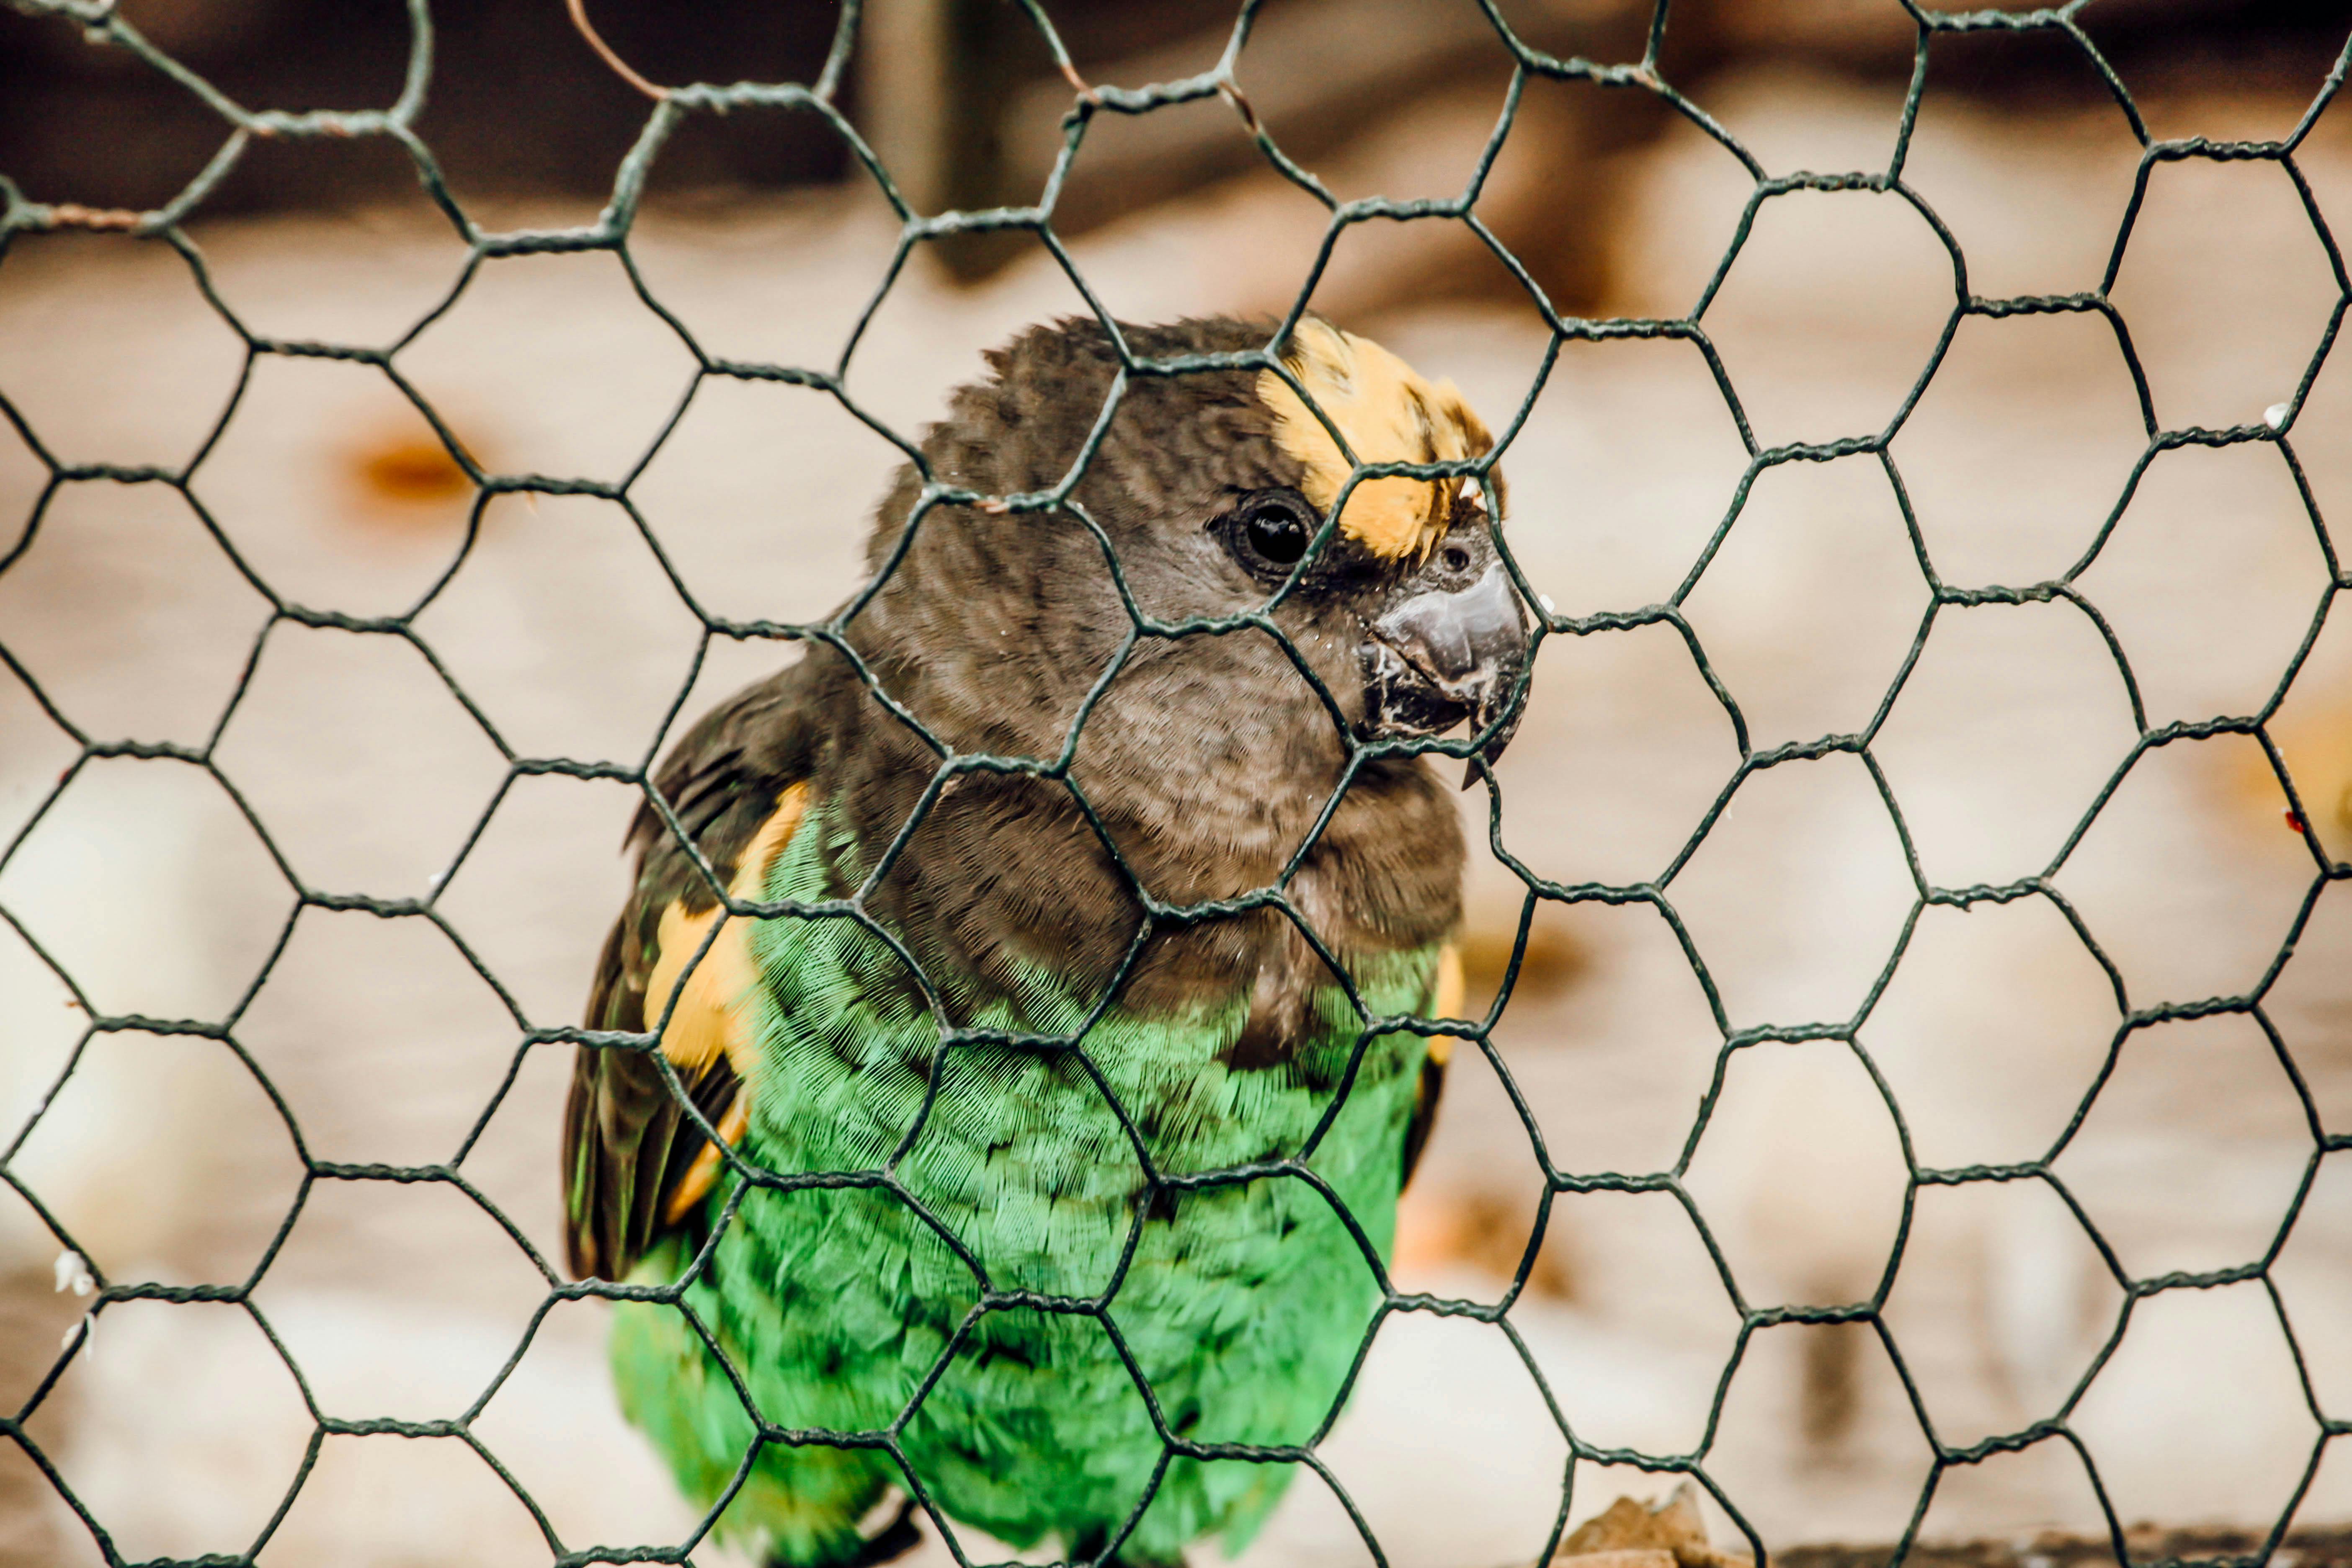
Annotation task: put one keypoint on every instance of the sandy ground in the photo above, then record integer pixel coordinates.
(181, 1430)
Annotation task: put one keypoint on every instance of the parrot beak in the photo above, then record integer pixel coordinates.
(1450, 645)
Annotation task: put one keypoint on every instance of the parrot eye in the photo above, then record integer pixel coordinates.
(1269, 531)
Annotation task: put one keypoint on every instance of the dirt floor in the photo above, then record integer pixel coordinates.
(2143, 1544)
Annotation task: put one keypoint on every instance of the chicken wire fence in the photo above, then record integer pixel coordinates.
(822, 97)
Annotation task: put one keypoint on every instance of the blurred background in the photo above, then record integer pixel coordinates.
(165, 1157)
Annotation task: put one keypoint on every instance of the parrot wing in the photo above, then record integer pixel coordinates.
(636, 1166)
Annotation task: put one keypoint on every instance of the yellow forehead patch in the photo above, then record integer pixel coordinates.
(1389, 414)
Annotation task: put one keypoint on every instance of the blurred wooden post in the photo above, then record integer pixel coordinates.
(935, 79)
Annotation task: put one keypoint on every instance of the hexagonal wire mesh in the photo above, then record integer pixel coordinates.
(819, 97)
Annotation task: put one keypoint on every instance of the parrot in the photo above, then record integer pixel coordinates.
(998, 1069)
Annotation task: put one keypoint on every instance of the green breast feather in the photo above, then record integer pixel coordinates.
(1242, 1305)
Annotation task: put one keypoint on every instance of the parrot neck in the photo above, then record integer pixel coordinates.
(1004, 876)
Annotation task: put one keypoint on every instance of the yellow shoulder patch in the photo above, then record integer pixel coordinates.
(1447, 1003)
(1389, 414)
(695, 1185)
(714, 1003)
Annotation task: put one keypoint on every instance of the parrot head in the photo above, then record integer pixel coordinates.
(1208, 494)
(1219, 626)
